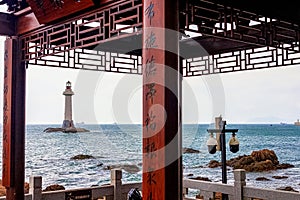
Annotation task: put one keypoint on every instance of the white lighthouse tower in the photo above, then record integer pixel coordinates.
(68, 124)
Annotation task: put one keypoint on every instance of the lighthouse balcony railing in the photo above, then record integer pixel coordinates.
(117, 190)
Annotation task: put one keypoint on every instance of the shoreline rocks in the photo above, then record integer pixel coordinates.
(258, 161)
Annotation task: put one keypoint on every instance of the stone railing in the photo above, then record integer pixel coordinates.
(116, 190)
(237, 191)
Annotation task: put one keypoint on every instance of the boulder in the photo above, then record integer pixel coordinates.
(189, 150)
(188, 175)
(218, 196)
(200, 178)
(126, 167)
(214, 164)
(284, 166)
(3, 190)
(280, 177)
(265, 154)
(54, 188)
(262, 179)
(82, 157)
(287, 188)
(258, 161)
(26, 188)
(261, 166)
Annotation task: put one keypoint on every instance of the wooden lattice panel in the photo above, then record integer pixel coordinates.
(219, 20)
(67, 44)
(92, 60)
(120, 19)
(248, 59)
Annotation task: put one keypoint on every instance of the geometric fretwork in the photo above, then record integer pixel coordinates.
(92, 60)
(249, 59)
(241, 60)
(249, 41)
(124, 18)
(223, 21)
(109, 22)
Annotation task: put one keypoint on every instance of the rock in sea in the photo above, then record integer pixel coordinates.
(189, 150)
(54, 188)
(126, 167)
(288, 188)
(258, 161)
(66, 130)
(82, 157)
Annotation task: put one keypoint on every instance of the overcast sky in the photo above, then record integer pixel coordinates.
(260, 96)
(267, 95)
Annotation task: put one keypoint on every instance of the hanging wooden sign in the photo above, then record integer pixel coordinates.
(47, 11)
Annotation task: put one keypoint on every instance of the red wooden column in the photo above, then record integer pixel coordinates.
(162, 165)
(13, 167)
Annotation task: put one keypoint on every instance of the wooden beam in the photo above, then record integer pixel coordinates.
(27, 23)
(162, 162)
(7, 24)
(49, 12)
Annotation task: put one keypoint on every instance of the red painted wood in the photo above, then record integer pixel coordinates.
(47, 12)
(27, 23)
(13, 174)
(7, 104)
(161, 179)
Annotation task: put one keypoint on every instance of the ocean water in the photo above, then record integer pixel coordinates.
(48, 154)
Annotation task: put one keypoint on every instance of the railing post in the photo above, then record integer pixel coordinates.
(239, 183)
(35, 187)
(185, 191)
(116, 181)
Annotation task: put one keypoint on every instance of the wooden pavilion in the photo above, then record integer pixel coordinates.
(114, 36)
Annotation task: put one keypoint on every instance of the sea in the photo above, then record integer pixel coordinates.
(49, 154)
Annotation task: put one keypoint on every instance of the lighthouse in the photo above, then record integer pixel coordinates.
(68, 125)
(68, 122)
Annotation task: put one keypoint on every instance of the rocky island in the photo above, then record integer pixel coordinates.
(66, 130)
